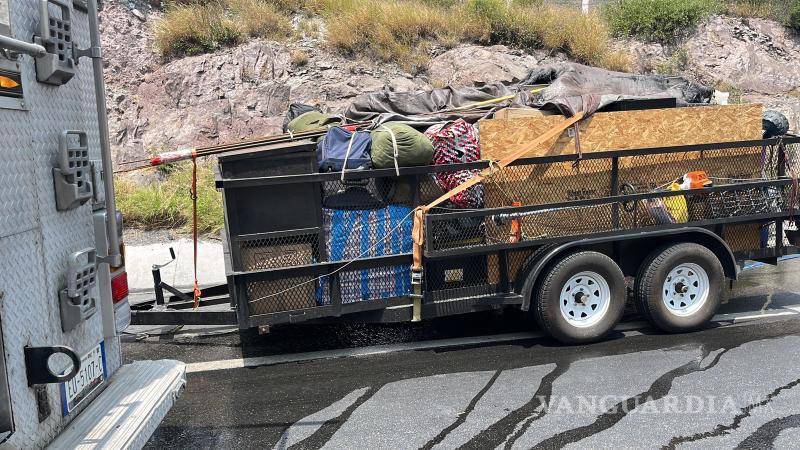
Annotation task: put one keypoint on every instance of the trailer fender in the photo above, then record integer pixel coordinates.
(540, 259)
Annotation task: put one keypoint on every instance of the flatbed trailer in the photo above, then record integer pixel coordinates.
(280, 268)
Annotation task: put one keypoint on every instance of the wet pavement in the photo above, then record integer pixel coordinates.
(732, 384)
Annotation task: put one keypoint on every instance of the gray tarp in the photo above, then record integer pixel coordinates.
(424, 106)
(572, 88)
(575, 87)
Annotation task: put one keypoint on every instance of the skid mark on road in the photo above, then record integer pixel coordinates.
(308, 426)
(591, 386)
(613, 415)
(463, 416)
(329, 428)
(719, 430)
(512, 389)
(504, 429)
(409, 413)
(700, 401)
(766, 435)
(523, 407)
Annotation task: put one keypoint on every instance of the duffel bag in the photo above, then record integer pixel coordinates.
(453, 143)
(342, 150)
(396, 145)
(295, 110)
(311, 120)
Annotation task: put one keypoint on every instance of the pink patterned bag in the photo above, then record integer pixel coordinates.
(457, 142)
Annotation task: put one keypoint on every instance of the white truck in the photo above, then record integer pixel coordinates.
(63, 286)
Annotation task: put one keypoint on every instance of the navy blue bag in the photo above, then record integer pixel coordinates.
(340, 146)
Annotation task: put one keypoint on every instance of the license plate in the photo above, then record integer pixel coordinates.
(90, 376)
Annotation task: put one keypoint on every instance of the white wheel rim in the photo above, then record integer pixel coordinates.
(585, 299)
(685, 289)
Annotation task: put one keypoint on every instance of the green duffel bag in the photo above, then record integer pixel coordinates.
(312, 120)
(398, 142)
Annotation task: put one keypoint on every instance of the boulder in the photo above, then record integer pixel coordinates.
(471, 65)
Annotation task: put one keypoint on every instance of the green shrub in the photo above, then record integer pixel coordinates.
(167, 204)
(794, 17)
(657, 20)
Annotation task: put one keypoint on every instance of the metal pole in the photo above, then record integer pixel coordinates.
(15, 45)
(112, 227)
(159, 290)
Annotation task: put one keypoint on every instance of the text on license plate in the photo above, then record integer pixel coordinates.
(91, 374)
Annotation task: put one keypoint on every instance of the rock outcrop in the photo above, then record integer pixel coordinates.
(759, 57)
(229, 95)
(476, 65)
(242, 92)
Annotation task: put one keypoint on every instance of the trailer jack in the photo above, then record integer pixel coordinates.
(173, 309)
(178, 299)
(159, 285)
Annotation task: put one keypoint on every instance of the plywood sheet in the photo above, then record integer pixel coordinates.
(623, 130)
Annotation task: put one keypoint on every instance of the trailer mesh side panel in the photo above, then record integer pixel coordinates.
(259, 254)
(285, 294)
(554, 185)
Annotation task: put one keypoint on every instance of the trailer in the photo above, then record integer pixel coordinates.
(568, 238)
(63, 284)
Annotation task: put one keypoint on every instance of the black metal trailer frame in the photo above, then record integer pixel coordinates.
(275, 237)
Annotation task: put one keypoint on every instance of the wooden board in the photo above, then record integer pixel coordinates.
(624, 130)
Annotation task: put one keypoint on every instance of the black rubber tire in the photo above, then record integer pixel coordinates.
(547, 310)
(774, 123)
(651, 277)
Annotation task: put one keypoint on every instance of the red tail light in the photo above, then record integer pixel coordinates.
(119, 287)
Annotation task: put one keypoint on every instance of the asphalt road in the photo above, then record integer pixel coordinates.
(467, 382)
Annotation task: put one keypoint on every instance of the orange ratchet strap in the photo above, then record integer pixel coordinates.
(196, 289)
(418, 232)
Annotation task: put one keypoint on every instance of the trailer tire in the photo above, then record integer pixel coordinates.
(598, 281)
(680, 287)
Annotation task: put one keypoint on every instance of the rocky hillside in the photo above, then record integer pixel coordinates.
(241, 92)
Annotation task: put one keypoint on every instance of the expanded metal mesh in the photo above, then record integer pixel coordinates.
(286, 294)
(553, 184)
(288, 251)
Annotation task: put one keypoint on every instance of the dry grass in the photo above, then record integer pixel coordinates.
(298, 58)
(193, 28)
(768, 9)
(401, 31)
(405, 31)
(259, 18)
(393, 31)
(585, 37)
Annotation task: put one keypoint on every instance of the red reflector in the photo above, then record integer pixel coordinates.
(119, 287)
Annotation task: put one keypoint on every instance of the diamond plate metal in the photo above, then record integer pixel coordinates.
(36, 239)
